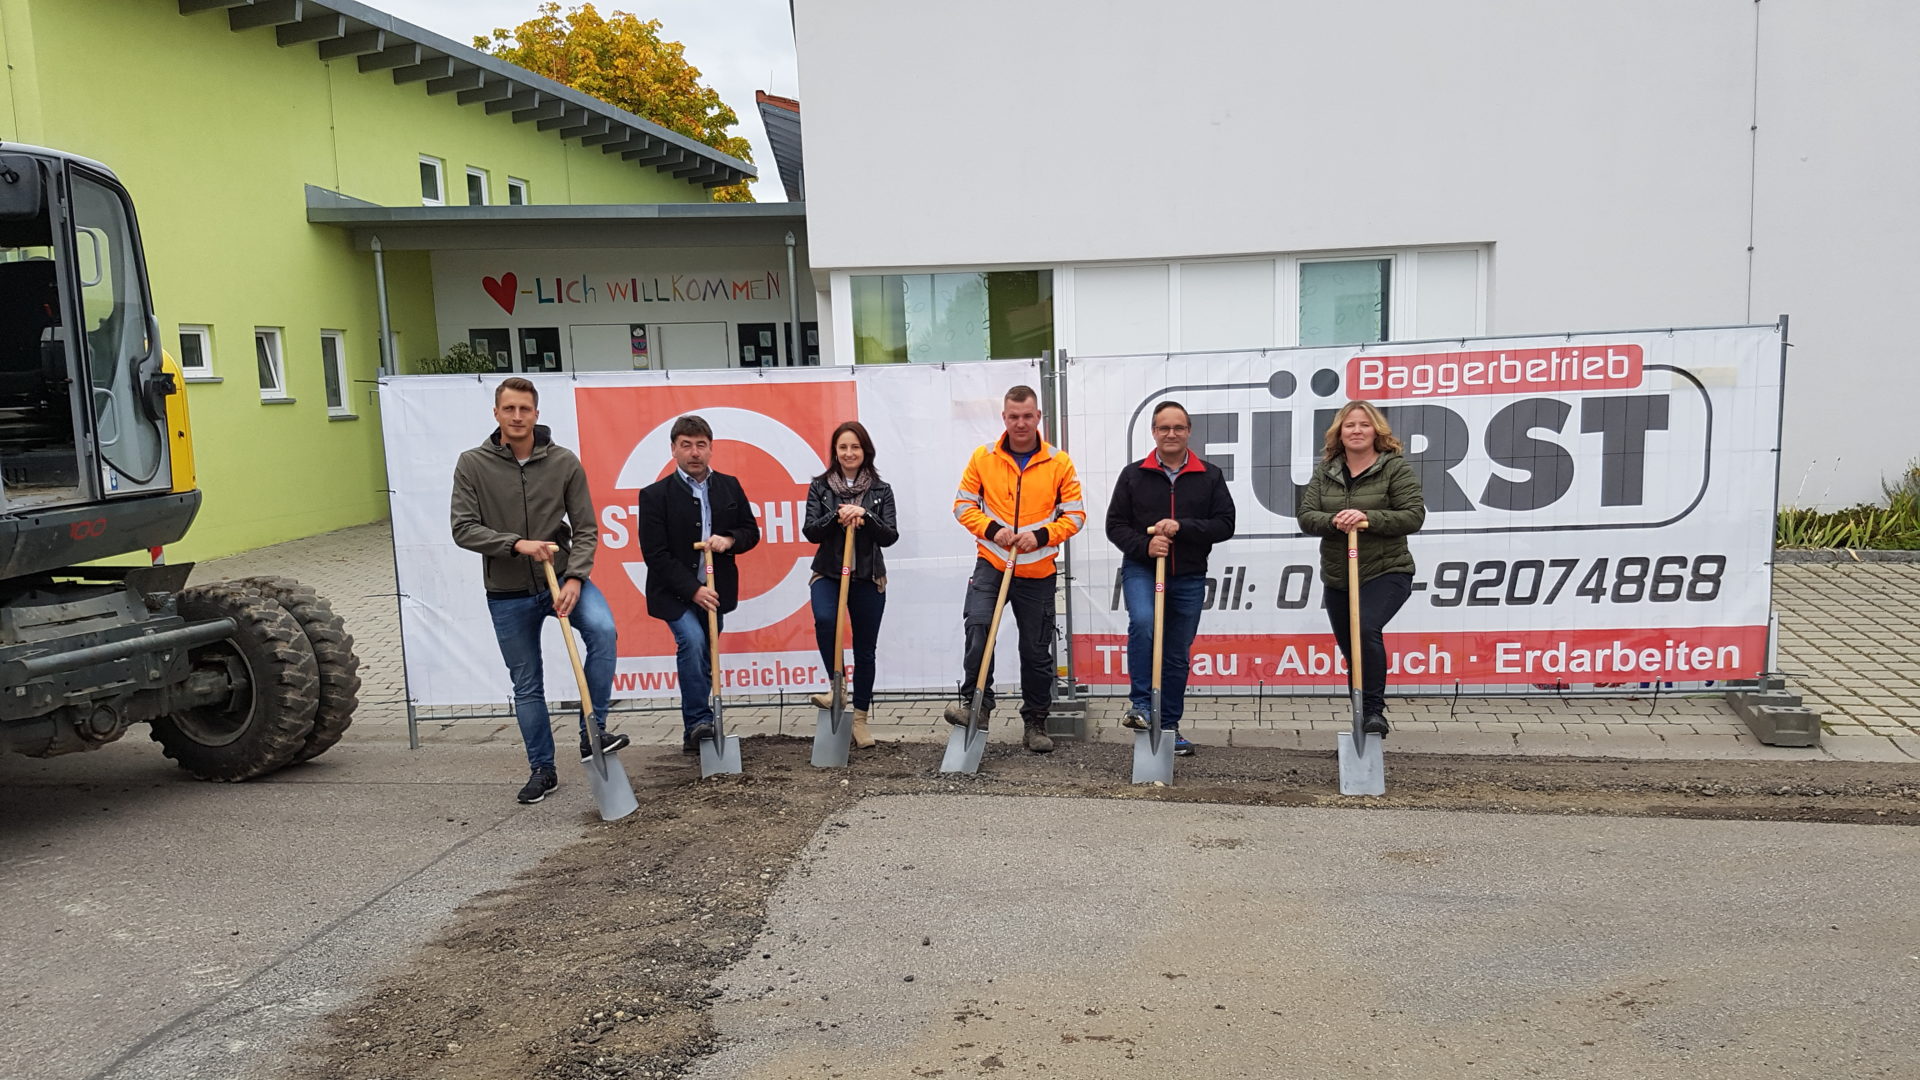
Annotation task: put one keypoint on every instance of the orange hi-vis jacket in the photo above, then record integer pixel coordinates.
(1043, 498)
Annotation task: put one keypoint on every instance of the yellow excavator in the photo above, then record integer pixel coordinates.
(234, 679)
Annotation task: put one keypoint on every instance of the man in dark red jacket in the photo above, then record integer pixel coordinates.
(1186, 503)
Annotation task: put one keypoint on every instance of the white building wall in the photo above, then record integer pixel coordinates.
(1601, 157)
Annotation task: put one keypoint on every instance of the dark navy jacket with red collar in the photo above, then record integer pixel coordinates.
(1196, 497)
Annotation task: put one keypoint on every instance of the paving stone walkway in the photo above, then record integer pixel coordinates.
(1849, 641)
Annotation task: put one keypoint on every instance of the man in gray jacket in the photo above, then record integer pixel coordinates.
(520, 500)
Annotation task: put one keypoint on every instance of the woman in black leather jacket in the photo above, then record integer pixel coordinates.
(850, 494)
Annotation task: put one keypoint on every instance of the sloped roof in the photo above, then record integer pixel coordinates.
(781, 116)
(380, 42)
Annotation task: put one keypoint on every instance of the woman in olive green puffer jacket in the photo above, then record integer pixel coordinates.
(1364, 481)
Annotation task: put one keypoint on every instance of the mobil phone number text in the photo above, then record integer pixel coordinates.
(1629, 579)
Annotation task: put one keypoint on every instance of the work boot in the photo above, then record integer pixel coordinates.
(703, 730)
(1375, 724)
(822, 701)
(956, 715)
(862, 738)
(1134, 720)
(543, 780)
(1037, 739)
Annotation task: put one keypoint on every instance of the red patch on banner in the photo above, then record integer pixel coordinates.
(769, 435)
(1579, 658)
(1495, 371)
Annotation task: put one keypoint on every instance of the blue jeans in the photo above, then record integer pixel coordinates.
(865, 605)
(1182, 621)
(690, 655)
(516, 624)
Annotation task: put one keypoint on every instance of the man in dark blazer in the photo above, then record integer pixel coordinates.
(692, 504)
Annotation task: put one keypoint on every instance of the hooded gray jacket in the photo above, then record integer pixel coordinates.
(498, 502)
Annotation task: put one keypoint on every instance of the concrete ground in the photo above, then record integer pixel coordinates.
(1096, 939)
(163, 928)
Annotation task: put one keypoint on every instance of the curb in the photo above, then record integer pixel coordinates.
(1787, 556)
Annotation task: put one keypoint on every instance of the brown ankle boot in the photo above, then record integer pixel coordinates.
(862, 738)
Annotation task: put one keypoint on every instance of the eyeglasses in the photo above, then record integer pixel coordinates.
(1177, 430)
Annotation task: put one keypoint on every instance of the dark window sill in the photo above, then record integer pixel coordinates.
(277, 401)
(192, 378)
(341, 416)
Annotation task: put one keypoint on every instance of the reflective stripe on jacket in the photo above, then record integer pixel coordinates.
(1044, 498)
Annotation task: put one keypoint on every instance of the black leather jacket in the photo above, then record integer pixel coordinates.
(823, 527)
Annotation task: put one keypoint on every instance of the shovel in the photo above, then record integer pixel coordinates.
(605, 775)
(1363, 765)
(967, 745)
(1153, 748)
(721, 753)
(833, 733)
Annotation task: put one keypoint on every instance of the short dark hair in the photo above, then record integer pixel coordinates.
(866, 448)
(1171, 404)
(516, 383)
(691, 426)
(1022, 392)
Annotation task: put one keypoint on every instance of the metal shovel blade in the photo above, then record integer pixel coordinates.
(1363, 767)
(720, 754)
(832, 739)
(611, 788)
(965, 747)
(1153, 757)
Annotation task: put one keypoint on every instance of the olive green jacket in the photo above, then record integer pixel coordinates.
(1388, 492)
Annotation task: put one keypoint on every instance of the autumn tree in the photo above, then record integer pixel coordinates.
(622, 61)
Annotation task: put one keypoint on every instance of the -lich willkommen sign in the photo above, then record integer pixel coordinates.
(1600, 509)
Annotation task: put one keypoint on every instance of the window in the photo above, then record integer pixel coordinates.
(1344, 303)
(940, 318)
(517, 192)
(496, 344)
(433, 187)
(196, 351)
(273, 371)
(476, 187)
(333, 366)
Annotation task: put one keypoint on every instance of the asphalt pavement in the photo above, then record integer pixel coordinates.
(1070, 938)
(159, 927)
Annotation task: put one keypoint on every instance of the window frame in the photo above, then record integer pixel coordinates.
(339, 365)
(204, 372)
(440, 181)
(524, 189)
(276, 338)
(474, 172)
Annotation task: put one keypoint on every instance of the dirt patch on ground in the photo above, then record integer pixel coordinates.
(599, 964)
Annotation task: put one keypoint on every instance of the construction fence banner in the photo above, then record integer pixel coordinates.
(1600, 507)
(771, 429)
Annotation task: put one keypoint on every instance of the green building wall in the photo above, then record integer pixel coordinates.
(216, 134)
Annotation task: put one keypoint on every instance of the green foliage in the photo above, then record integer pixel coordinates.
(1895, 526)
(460, 360)
(622, 60)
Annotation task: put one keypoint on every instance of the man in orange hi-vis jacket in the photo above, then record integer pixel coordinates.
(1017, 494)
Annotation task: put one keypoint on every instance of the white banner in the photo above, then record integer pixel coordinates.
(770, 430)
(1599, 507)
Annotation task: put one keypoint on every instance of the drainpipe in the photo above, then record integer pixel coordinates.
(796, 349)
(389, 364)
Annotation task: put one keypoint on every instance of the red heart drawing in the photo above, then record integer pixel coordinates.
(505, 290)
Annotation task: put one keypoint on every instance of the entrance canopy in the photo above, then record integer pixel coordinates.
(551, 288)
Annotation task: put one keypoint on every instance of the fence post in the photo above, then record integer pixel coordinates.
(1067, 719)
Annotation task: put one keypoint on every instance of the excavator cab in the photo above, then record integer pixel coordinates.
(83, 382)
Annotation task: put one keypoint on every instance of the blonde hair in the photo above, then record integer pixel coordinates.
(1383, 440)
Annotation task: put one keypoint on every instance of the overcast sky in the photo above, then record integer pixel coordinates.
(739, 46)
